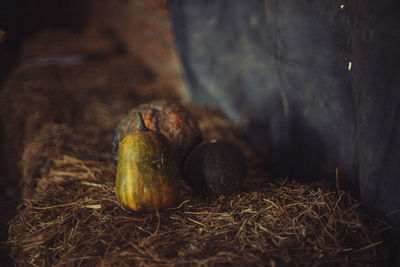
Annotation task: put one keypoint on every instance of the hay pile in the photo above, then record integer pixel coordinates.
(42, 107)
(74, 219)
(59, 122)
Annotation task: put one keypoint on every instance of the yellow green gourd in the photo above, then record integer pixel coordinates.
(147, 174)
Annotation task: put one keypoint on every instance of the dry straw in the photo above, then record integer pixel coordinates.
(75, 220)
(71, 216)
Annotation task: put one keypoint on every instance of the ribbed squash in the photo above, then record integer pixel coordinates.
(172, 119)
(147, 173)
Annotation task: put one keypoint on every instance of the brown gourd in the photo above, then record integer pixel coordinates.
(147, 174)
(170, 118)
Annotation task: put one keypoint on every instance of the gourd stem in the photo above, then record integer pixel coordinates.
(141, 126)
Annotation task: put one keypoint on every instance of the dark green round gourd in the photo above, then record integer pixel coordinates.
(215, 167)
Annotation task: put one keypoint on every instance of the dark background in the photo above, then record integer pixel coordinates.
(282, 75)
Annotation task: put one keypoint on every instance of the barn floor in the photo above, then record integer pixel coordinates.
(59, 109)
